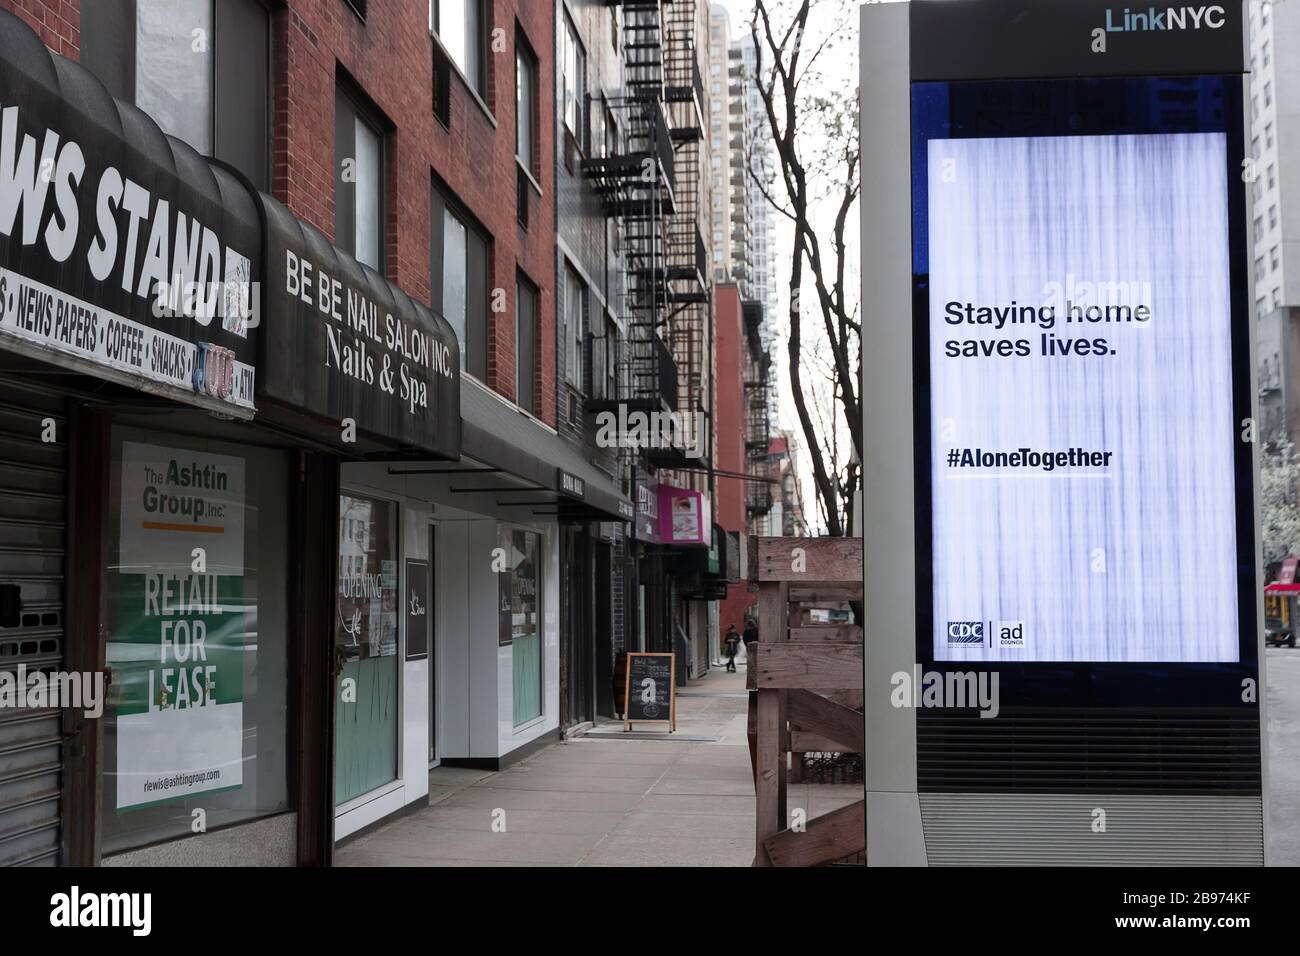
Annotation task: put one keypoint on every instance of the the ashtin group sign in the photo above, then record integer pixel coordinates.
(177, 642)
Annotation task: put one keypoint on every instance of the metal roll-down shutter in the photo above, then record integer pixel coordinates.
(33, 533)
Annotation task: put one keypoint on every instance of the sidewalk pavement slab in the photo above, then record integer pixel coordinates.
(619, 850)
(602, 801)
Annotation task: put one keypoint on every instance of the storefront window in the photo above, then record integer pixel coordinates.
(365, 642)
(525, 603)
(195, 732)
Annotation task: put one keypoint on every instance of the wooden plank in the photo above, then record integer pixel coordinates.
(770, 765)
(783, 776)
(826, 595)
(827, 633)
(826, 667)
(751, 732)
(809, 562)
(827, 838)
(806, 742)
(769, 783)
(852, 699)
(811, 712)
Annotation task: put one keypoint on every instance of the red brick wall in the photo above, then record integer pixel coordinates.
(729, 450)
(389, 56)
(57, 22)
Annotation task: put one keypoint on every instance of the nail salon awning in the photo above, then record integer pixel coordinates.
(375, 372)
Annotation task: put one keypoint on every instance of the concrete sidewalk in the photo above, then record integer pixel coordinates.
(685, 799)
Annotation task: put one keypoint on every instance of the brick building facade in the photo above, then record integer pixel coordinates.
(387, 55)
(387, 141)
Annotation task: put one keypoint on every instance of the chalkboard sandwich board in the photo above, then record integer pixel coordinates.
(650, 691)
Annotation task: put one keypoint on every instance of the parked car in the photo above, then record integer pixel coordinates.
(1276, 632)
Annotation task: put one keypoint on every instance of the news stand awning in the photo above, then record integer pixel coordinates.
(552, 475)
(102, 214)
(342, 345)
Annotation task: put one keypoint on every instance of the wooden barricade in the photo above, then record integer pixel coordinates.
(807, 683)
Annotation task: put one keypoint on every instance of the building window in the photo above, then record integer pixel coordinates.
(460, 256)
(462, 30)
(526, 301)
(1274, 260)
(575, 310)
(1268, 135)
(610, 147)
(525, 106)
(523, 596)
(198, 711)
(213, 95)
(1259, 269)
(1272, 217)
(358, 182)
(173, 82)
(573, 83)
(611, 358)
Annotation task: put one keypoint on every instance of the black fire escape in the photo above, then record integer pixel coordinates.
(651, 184)
(635, 186)
(687, 265)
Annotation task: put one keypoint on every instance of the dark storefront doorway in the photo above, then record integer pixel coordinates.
(603, 627)
(580, 665)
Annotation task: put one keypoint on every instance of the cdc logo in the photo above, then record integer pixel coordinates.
(965, 632)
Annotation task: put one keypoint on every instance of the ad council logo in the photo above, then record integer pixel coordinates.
(1010, 634)
(965, 633)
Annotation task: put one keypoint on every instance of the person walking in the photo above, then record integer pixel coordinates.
(751, 632)
(732, 640)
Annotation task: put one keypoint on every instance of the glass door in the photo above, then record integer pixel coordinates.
(524, 603)
(365, 647)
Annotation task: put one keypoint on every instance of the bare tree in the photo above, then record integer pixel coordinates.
(814, 129)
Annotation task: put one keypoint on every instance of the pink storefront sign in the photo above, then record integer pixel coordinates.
(685, 517)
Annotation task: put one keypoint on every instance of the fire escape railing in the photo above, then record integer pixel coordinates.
(651, 187)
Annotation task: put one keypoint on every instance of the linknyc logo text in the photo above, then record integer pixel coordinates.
(1165, 18)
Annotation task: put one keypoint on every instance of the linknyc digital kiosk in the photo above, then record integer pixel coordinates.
(1064, 657)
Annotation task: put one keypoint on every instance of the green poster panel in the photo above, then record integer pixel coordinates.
(365, 740)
